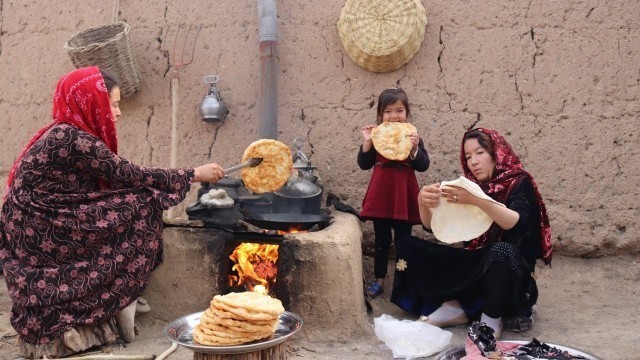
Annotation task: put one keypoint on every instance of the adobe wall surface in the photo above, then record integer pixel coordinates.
(559, 79)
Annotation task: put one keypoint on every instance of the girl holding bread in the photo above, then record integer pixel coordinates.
(391, 198)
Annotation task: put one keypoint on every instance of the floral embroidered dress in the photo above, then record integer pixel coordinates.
(80, 227)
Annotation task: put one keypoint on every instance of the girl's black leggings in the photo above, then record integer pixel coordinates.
(382, 229)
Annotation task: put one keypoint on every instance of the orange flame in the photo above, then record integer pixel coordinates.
(293, 229)
(255, 265)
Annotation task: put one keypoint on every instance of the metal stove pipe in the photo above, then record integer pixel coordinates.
(269, 69)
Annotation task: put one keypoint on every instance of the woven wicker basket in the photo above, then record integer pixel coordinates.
(382, 35)
(107, 47)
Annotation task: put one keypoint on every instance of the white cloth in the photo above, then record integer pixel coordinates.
(410, 339)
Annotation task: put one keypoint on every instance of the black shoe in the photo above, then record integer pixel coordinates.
(520, 323)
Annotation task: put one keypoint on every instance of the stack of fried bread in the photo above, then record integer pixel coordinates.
(238, 318)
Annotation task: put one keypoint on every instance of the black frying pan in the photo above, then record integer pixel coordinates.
(285, 222)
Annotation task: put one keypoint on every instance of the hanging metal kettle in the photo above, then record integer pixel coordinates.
(212, 108)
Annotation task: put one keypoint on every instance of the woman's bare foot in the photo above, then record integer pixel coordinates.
(126, 322)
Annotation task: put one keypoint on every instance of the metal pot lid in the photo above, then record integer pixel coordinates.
(299, 188)
(228, 182)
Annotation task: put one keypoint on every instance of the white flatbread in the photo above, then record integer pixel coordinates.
(452, 222)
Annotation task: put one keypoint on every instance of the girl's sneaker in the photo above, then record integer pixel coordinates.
(374, 290)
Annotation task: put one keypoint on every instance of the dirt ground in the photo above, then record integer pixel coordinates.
(587, 304)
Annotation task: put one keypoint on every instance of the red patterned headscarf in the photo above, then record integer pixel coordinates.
(508, 174)
(82, 100)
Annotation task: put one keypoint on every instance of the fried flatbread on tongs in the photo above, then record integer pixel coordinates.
(274, 170)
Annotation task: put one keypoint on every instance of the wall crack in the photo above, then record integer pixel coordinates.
(589, 12)
(215, 136)
(515, 80)
(441, 71)
(310, 144)
(478, 119)
(147, 135)
(537, 53)
(1, 22)
(162, 39)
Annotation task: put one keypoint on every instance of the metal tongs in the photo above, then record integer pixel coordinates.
(255, 161)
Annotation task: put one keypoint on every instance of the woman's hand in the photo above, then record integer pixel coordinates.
(429, 196)
(458, 195)
(367, 143)
(210, 173)
(501, 215)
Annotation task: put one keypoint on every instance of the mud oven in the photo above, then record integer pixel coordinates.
(319, 274)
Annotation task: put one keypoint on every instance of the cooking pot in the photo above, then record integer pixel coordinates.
(255, 204)
(298, 196)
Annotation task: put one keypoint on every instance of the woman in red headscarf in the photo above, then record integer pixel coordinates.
(80, 226)
(492, 275)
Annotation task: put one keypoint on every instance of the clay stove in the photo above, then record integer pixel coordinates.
(320, 280)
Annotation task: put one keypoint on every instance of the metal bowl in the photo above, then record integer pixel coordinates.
(458, 352)
(180, 331)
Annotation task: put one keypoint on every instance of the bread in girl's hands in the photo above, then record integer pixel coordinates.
(392, 139)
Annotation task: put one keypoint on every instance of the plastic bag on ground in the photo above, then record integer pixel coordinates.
(409, 339)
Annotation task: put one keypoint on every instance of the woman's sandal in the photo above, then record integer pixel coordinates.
(374, 290)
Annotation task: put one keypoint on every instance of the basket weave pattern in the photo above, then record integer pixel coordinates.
(109, 48)
(382, 35)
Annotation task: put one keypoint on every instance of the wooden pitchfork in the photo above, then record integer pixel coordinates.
(178, 61)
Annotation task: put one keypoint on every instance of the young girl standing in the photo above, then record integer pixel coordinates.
(391, 200)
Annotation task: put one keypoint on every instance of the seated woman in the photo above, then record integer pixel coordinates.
(494, 273)
(80, 226)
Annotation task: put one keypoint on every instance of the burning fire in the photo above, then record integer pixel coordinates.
(293, 229)
(255, 265)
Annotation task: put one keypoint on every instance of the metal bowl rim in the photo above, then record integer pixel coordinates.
(456, 349)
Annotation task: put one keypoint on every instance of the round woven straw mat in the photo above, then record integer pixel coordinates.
(382, 35)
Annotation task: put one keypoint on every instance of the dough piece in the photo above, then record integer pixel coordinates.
(273, 171)
(217, 198)
(452, 222)
(391, 139)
